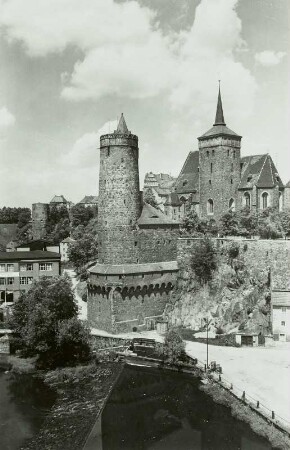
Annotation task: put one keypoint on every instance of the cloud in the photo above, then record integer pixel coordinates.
(6, 118)
(85, 151)
(126, 54)
(269, 58)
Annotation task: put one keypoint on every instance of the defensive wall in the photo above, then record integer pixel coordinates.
(257, 253)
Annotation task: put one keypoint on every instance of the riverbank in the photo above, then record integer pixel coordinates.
(82, 392)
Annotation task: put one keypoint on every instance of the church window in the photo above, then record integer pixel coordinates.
(280, 201)
(210, 167)
(210, 206)
(265, 202)
(247, 199)
(232, 205)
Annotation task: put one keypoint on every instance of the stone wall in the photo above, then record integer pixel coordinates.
(119, 198)
(40, 214)
(159, 244)
(219, 169)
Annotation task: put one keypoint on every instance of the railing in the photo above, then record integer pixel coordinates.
(267, 413)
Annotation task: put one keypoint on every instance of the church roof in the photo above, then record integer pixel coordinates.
(219, 127)
(188, 179)
(152, 216)
(122, 126)
(260, 171)
(58, 199)
(172, 200)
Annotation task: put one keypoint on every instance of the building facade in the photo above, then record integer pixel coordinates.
(19, 269)
(137, 268)
(281, 315)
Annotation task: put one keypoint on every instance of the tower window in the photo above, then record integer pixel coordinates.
(232, 167)
(231, 181)
(210, 206)
(198, 169)
(212, 153)
(136, 243)
(210, 167)
(247, 199)
(207, 153)
(265, 201)
(234, 153)
(124, 202)
(108, 151)
(228, 153)
(209, 181)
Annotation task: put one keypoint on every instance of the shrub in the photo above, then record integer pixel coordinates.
(204, 260)
(174, 347)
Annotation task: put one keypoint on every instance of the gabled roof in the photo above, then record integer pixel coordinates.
(188, 179)
(172, 200)
(90, 199)
(260, 171)
(152, 216)
(280, 298)
(68, 240)
(58, 199)
(20, 256)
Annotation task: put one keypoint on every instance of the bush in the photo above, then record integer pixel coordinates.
(174, 348)
(204, 260)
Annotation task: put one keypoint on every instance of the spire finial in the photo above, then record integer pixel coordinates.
(122, 127)
(219, 117)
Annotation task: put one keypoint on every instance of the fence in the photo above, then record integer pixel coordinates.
(270, 415)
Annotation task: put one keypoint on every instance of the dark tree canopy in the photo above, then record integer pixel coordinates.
(21, 216)
(204, 260)
(83, 251)
(81, 215)
(174, 347)
(41, 317)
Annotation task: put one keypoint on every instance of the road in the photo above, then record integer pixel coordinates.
(81, 304)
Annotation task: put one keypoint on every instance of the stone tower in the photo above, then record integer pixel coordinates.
(219, 167)
(119, 196)
(40, 213)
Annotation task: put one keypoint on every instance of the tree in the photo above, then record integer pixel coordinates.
(174, 347)
(193, 225)
(73, 341)
(230, 225)
(40, 321)
(83, 251)
(204, 260)
(149, 198)
(81, 215)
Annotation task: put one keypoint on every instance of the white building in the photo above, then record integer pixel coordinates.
(281, 315)
(64, 247)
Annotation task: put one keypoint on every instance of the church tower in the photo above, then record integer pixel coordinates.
(119, 196)
(219, 167)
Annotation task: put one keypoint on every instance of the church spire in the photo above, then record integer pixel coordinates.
(122, 127)
(219, 117)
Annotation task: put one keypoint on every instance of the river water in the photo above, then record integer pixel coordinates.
(162, 410)
(24, 403)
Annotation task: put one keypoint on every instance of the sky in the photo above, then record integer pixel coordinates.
(69, 68)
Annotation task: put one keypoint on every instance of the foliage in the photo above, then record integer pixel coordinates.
(233, 251)
(83, 251)
(148, 197)
(174, 347)
(81, 215)
(21, 216)
(39, 320)
(73, 341)
(204, 260)
(230, 225)
(193, 225)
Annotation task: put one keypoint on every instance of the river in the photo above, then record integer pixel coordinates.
(24, 403)
(150, 409)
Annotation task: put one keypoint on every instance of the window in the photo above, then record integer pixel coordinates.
(10, 267)
(10, 280)
(210, 167)
(232, 167)
(210, 206)
(29, 267)
(265, 202)
(232, 204)
(45, 266)
(207, 153)
(2, 281)
(228, 153)
(247, 199)
(234, 153)
(2, 267)
(249, 178)
(184, 183)
(283, 323)
(280, 201)
(231, 181)
(23, 280)
(209, 181)
(212, 153)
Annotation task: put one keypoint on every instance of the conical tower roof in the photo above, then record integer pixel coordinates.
(122, 126)
(219, 117)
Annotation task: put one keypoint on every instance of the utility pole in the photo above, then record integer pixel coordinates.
(207, 342)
